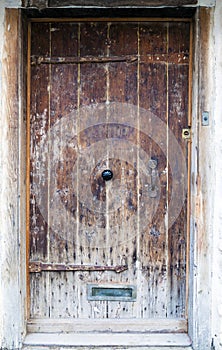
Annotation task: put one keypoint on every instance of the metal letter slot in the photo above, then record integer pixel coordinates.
(111, 292)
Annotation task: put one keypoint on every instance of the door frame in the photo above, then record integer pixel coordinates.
(200, 226)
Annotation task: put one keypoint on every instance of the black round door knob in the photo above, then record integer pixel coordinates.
(107, 175)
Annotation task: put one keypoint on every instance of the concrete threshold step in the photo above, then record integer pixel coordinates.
(107, 341)
(105, 348)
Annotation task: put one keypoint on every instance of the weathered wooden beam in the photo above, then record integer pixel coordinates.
(68, 325)
(59, 3)
(12, 286)
(176, 58)
(39, 266)
(40, 4)
(71, 60)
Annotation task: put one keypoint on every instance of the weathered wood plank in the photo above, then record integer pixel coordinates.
(72, 60)
(153, 98)
(107, 325)
(60, 3)
(178, 110)
(40, 266)
(12, 178)
(178, 79)
(39, 125)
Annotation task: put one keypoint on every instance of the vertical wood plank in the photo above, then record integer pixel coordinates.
(153, 98)
(12, 245)
(178, 119)
(93, 159)
(39, 125)
(123, 40)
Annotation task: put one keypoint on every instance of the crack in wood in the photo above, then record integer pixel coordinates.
(39, 266)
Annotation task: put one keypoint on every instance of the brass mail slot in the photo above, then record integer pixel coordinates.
(111, 292)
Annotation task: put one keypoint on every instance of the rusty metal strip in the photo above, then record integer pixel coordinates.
(39, 266)
(36, 60)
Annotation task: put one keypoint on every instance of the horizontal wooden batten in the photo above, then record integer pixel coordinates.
(107, 325)
(109, 19)
(38, 266)
(35, 60)
(176, 58)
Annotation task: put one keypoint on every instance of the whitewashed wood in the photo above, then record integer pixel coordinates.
(107, 325)
(36, 347)
(105, 348)
(203, 191)
(123, 339)
(12, 210)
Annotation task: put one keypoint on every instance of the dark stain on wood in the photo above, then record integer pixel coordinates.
(41, 4)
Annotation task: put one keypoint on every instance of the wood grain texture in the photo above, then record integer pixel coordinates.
(41, 4)
(80, 125)
(117, 326)
(55, 3)
(12, 254)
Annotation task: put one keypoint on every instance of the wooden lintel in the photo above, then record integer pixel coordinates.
(41, 4)
(39, 266)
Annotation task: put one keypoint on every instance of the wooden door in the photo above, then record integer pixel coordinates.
(109, 95)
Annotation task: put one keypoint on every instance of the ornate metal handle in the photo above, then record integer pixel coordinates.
(107, 175)
(153, 189)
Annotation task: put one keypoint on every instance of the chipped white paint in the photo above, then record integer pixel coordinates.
(98, 340)
(12, 310)
(217, 223)
(207, 2)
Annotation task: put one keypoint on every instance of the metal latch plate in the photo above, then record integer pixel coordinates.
(186, 133)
